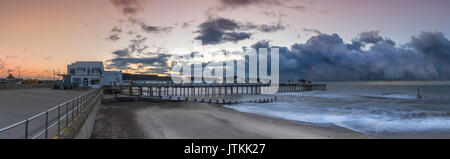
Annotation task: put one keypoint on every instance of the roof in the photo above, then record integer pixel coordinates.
(10, 77)
(127, 76)
(87, 63)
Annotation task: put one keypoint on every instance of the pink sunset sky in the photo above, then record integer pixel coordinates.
(38, 37)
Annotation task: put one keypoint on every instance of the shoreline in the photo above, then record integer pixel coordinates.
(375, 135)
(190, 120)
(326, 127)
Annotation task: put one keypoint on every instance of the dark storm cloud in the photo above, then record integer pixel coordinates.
(327, 57)
(159, 61)
(278, 14)
(116, 30)
(137, 45)
(433, 45)
(435, 48)
(235, 37)
(114, 34)
(155, 29)
(221, 30)
(128, 7)
(261, 44)
(185, 25)
(370, 37)
(267, 3)
(121, 53)
(136, 54)
(245, 3)
(130, 10)
(299, 8)
(150, 28)
(113, 37)
(271, 28)
(220, 23)
(312, 30)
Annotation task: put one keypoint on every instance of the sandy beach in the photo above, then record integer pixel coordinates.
(189, 120)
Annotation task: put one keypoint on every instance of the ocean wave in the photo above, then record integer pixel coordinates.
(329, 95)
(320, 94)
(357, 119)
(390, 96)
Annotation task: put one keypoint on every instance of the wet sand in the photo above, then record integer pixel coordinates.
(190, 120)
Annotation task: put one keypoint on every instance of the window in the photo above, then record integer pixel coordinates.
(95, 81)
(96, 71)
(72, 71)
(76, 80)
(81, 70)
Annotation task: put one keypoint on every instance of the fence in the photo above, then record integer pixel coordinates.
(50, 123)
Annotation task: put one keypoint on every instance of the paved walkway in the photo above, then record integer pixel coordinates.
(16, 105)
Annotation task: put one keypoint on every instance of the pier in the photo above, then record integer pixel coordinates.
(210, 93)
(296, 87)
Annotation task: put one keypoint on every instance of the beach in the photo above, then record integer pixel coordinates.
(191, 120)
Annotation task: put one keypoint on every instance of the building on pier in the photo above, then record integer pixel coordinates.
(303, 81)
(138, 79)
(86, 73)
(112, 78)
(92, 74)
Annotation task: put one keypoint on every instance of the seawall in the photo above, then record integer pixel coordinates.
(82, 127)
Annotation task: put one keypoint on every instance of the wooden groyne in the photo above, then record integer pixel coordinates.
(212, 93)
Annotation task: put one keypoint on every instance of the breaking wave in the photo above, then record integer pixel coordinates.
(357, 119)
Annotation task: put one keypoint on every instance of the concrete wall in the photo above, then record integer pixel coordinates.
(83, 126)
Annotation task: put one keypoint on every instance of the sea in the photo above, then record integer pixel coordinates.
(382, 108)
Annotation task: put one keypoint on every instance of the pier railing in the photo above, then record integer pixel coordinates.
(301, 87)
(214, 89)
(52, 122)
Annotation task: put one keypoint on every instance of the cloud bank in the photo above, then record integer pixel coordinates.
(136, 58)
(327, 57)
(221, 30)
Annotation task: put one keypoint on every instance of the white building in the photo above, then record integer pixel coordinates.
(86, 73)
(112, 78)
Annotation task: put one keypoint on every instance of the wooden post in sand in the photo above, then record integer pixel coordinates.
(159, 91)
(226, 90)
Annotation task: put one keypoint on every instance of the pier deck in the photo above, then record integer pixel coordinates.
(210, 93)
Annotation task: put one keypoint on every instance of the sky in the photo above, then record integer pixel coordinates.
(345, 39)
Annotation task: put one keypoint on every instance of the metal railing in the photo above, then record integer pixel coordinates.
(52, 122)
